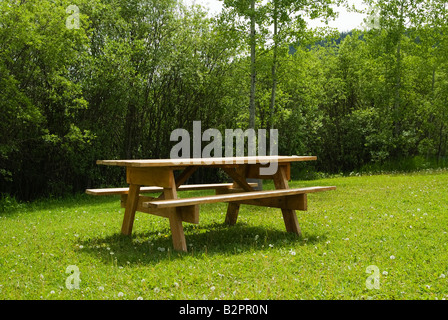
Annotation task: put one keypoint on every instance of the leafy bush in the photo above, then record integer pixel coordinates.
(8, 203)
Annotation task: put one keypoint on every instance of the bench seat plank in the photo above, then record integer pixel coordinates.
(185, 187)
(233, 197)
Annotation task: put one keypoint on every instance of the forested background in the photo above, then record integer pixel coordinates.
(134, 70)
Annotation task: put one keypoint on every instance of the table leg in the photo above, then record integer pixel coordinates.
(131, 206)
(232, 213)
(289, 215)
(177, 230)
(239, 181)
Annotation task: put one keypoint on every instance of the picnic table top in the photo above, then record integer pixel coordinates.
(204, 161)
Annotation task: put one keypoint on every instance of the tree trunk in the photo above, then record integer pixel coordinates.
(252, 67)
(431, 116)
(439, 149)
(274, 70)
(129, 140)
(397, 101)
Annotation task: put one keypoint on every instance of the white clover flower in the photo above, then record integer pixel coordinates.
(392, 257)
(120, 294)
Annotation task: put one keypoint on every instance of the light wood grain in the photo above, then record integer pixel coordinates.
(188, 214)
(289, 215)
(131, 206)
(239, 177)
(185, 187)
(233, 197)
(234, 208)
(175, 217)
(204, 161)
(161, 177)
(293, 202)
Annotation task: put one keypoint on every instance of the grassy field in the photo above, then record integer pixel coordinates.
(396, 223)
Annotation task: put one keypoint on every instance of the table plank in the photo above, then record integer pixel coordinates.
(203, 161)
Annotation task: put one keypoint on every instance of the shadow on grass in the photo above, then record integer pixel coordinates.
(204, 241)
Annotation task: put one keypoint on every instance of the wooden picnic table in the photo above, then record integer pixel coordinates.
(157, 175)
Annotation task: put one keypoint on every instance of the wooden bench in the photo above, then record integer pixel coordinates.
(188, 214)
(188, 208)
(186, 187)
(294, 199)
(288, 200)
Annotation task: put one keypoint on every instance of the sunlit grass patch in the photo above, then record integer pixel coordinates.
(398, 223)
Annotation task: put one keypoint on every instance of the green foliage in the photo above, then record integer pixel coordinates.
(135, 70)
(9, 204)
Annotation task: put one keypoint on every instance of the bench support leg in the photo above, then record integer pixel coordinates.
(131, 206)
(289, 215)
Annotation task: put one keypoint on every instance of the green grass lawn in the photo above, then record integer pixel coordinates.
(398, 223)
